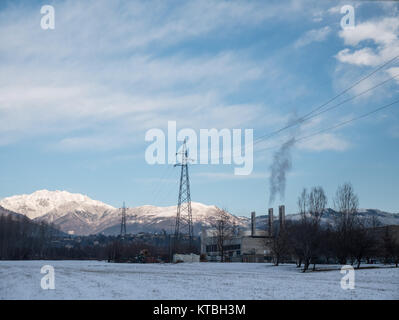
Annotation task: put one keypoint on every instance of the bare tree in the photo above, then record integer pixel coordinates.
(391, 246)
(327, 242)
(295, 233)
(362, 241)
(223, 230)
(303, 203)
(280, 244)
(346, 201)
(317, 203)
(308, 232)
(346, 204)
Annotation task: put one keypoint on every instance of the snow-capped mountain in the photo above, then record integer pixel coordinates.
(56, 203)
(78, 214)
(71, 212)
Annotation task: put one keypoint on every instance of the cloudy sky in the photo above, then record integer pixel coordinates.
(76, 101)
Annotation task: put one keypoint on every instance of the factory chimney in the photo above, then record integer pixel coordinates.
(270, 222)
(281, 213)
(253, 223)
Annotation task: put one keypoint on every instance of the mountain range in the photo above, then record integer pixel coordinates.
(78, 214)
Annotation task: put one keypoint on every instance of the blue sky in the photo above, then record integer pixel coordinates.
(76, 101)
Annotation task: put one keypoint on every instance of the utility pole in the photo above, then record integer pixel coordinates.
(123, 222)
(184, 219)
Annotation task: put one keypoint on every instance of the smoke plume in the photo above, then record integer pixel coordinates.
(280, 166)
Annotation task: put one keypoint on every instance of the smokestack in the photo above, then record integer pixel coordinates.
(253, 223)
(270, 221)
(281, 213)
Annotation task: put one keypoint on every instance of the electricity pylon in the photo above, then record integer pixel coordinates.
(184, 219)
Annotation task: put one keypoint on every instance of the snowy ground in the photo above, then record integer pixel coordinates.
(101, 280)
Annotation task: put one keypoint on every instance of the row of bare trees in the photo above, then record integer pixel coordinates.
(347, 239)
(22, 239)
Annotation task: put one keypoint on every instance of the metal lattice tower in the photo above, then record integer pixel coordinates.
(184, 219)
(123, 222)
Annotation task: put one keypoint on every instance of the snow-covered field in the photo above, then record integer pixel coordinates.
(102, 280)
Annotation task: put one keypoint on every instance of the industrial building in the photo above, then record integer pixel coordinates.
(243, 246)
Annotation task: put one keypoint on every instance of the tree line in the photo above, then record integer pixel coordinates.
(349, 239)
(20, 238)
(23, 239)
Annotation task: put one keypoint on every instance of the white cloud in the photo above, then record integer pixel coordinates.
(322, 142)
(393, 72)
(383, 34)
(365, 57)
(317, 15)
(315, 35)
(98, 70)
(370, 44)
(101, 78)
(103, 27)
(334, 10)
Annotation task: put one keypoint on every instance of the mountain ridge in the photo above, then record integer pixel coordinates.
(78, 214)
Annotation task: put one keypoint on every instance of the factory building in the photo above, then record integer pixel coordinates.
(243, 245)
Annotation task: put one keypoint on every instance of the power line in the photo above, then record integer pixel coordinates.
(339, 124)
(313, 113)
(153, 186)
(306, 116)
(352, 98)
(354, 85)
(161, 183)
